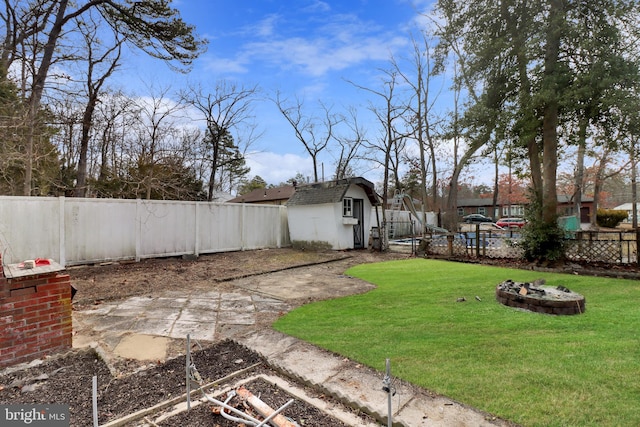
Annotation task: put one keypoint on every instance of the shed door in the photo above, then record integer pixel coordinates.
(358, 229)
(585, 214)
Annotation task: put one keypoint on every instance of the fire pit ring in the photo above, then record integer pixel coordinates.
(537, 298)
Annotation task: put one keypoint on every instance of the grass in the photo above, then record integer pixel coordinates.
(533, 369)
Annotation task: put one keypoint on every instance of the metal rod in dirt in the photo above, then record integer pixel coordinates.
(388, 377)
(95, 401)
(187, 369)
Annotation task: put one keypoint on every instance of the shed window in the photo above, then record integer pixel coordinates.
(347, 206)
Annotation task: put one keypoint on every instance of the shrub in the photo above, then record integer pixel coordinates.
(610, 217)
(542, 241)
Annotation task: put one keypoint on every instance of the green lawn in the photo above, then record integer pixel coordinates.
(533, 369)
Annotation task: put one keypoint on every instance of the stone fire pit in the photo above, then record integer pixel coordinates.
(538, 298)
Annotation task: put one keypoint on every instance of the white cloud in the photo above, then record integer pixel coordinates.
(227, 65)
(340, 42)
(276, 168)
(265, 27)
(320, 55)
(317, 6)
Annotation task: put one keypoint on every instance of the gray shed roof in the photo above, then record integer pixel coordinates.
(330, 192)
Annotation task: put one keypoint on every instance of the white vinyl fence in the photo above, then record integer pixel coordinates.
(81, 231)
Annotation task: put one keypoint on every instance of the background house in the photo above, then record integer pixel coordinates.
(484, 206)
(334, 212)
(266, 196)
(628, 207)
(567, 207)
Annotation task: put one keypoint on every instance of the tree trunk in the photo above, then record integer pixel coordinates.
(496, 180)
(37, 90)
(579, 178)
(81, 176)
(550, 112)
(634, 185)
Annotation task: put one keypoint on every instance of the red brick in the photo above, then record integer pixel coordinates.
(22, 292)
(36, 307)
(23, 282)
(60, 278)
(35, 324)
(48, 322)
(39, 319)
(22, 302)
(46, 298)
(6, 306)
(53, 287)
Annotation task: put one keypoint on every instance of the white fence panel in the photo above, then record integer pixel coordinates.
(80, 231)
(220, 227)
(262, 223)
(98, 229)
(30, 228)
(166, 228)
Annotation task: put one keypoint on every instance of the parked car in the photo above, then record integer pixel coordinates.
(483, 226)
(511, 222)
(476, 218)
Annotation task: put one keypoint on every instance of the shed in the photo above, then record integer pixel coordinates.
(334, 212)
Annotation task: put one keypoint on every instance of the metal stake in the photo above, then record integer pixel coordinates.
(187, 368)
(95, 401)
(386, 386)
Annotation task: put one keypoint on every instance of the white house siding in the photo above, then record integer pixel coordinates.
(312, 223)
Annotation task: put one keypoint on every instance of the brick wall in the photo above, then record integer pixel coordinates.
(35, 316)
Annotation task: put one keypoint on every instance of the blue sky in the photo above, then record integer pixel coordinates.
(301, 48)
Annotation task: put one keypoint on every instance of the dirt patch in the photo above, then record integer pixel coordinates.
(113, 281)
(127, 385)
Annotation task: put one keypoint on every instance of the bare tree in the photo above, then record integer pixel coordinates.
(116, 115)
(227, 112)
(157, 138)
(392, 140)
(420, 120)
(314, 133)
(100, 66)
(349, 145)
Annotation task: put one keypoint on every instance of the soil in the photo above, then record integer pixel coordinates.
(67, 379)
(127, 386)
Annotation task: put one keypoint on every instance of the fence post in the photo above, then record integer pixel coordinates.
(637, 246)
(62, 225)
(243, 226)
(196, 229)
(621, 258)
(138, 229)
